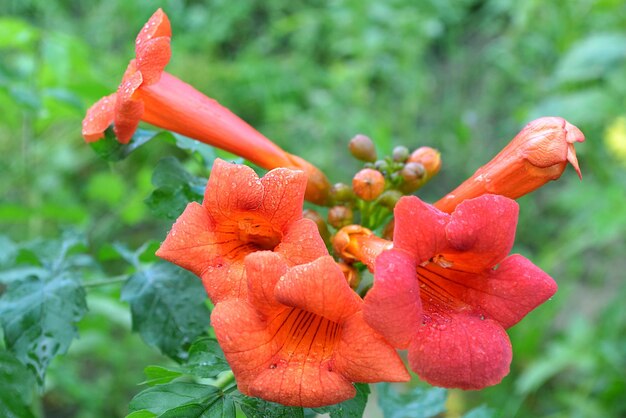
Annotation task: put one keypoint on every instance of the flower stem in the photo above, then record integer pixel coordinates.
(224, 380)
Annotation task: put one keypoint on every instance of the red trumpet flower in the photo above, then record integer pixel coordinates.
(447, 290)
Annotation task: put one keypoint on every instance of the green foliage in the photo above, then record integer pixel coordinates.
(168, 306)
(418, 402)
(460, 76)
(41, 305)
(109, 149)
(352, 408)
(183, 399)
(206, 358)
(16, 387)
(174, 188)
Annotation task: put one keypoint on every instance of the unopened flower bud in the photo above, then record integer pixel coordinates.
(429, 157)
(400, 153)
(538, 154)
(353, 277)
(389, 198)
(341, 193)
(368, 184)
(340, 216)
(413, 176)
(319, 221)
(381, 165)
(362, 148)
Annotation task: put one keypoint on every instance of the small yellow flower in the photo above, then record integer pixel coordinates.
(615, 138)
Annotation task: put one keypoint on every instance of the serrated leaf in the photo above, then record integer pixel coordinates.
(171, 396)
(352, 408)
(418, 402)
(206, 358)
(39, 309)
(174, 188)
(157, 375)
(109, 149)
(17, 384)
(259, 408)
(168, 307)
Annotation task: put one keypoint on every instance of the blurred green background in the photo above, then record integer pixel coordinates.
(462, 76)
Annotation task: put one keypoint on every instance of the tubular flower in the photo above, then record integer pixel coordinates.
(241, 214)
(150, 94)
(300, 339)
(447, 290)
(538, 154)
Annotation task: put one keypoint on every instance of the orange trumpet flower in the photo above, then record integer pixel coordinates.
(241, 214)
(148, 93)
(300, 339)
(538, 154)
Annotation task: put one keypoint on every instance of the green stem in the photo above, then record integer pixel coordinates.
(224, 380)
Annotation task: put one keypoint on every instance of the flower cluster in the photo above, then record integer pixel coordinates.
(290, 326)
(287, 314)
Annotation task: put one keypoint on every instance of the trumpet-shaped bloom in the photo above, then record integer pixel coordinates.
(300, 339)
(148, 93)
(241, 214)
(538, 154)
(447, 290)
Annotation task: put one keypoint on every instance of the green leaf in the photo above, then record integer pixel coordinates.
(157, 375)
(39, 310)
(168, 307)
(220, 407)
(418, 402)
(9, 251)
(482, 411)
(143, 413)
(206, 152)
(592, 58)
(109, 149)
(206, 358)
(255, 407)
(184, 399)
(16, 387)
(15, 33)
(174, 188)
(352, 408)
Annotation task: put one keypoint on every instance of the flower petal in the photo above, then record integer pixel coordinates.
(318, 287)
(99, 117)
(307, 384)
(419, 228)
(189, 242)
(263, 270)
(152, 59)
(232, 188)
(514, 289)
(364, 356)
(481, 232)
(244, 339)
(393, 306)
(157, 26)
(284, 195)
(128, 108)
(302, 243)
(460, 351)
